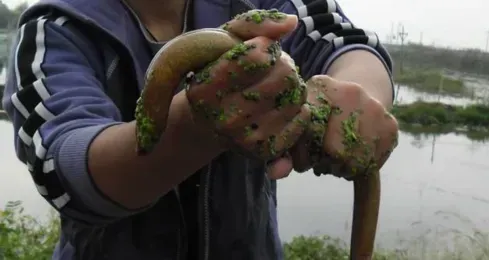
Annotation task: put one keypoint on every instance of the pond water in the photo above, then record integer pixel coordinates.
(430, 183)
(3, 73)
(407, 95)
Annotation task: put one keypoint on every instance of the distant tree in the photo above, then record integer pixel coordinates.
(8, 17)
(20, 8)
(472, 61)
(5, 15)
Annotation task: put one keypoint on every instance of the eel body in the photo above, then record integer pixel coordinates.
(365, 215)
(186, 53)
(191, 52)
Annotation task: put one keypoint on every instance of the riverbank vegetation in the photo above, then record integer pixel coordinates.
(428, 118)
(433, 82)
(23, 237)
(473, 117)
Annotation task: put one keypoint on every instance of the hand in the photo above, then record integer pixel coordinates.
(252, 94)
(357, 135)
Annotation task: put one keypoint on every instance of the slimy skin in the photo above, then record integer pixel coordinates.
(365, 215)
(191, 52)
(188, 52)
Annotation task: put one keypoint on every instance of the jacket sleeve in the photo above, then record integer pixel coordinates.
(57, 104)
(324, 33)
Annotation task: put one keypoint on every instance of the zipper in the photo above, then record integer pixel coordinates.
(205, 180)
(182, 230)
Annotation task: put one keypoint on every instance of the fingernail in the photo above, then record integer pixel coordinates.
(282, 18)
(291, 17)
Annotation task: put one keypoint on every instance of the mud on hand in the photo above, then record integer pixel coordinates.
(252, 96)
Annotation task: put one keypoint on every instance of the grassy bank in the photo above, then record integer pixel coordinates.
(22, 237)
(428, 81)
(471, 117)
(463, 247)
(434, 118)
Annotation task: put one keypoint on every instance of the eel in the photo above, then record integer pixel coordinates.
(191, 52)
(365, 215)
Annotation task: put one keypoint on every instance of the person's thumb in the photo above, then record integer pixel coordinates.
(279, 168)
(267, 23)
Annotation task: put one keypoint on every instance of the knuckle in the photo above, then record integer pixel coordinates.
(391, 130)
(306, 110)
(394, 123)
(317, 79)
(288, 60)
(392, 127)
(376, 108)
(305, 114)
(261, 42)
(286, 70)
(318, 82)
(255, 57)
(351, 93)
(391, 124)
(353, 89)
(291, 89)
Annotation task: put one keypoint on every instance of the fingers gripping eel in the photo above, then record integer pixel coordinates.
(188, 52)
(193, 51)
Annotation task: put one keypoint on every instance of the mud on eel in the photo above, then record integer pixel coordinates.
(192, 52)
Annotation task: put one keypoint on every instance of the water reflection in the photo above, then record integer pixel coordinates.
(478, 86)
(422, 184)
(424, 135)
(407, 95)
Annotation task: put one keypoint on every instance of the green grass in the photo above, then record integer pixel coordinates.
(322, 248)
(22, 237)
(428, 81)
(472, 117)
(474, 246)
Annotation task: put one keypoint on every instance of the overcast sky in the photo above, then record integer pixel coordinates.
(442, 22)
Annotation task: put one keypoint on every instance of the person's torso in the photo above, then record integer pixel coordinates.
(234, 201)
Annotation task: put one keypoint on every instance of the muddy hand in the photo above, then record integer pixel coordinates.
(250, 95)
(353, 142)
(227, 55)
(264, 113)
